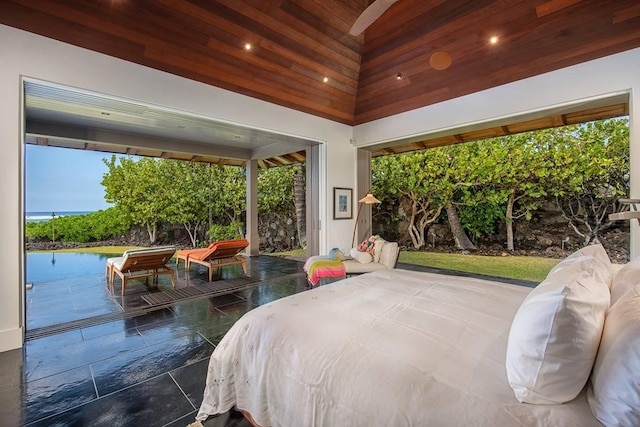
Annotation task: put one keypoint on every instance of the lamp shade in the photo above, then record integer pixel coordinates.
(369, 199)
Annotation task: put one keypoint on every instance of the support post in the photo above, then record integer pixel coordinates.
(252, 234)
(363, 220)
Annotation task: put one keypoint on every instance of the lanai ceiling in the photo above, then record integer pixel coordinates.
(303, 57)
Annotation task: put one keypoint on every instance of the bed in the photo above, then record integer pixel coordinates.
(389, 348)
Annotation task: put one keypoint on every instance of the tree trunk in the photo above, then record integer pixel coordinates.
(461, 238)
(151, 229)
(417, 236)
(300, 202)
(509, 221)
(193, 234)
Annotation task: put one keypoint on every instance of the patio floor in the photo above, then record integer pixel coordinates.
(57, 305)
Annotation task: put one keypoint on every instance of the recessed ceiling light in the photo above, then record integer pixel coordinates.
(247, 46)
(399, 76)
(493, 40)
(325, 79)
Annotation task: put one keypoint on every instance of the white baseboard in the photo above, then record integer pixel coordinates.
(11, 339)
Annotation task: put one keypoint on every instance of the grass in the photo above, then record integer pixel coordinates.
(295, 252)
(515, 267)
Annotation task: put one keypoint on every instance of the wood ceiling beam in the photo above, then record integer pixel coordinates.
(588, 115)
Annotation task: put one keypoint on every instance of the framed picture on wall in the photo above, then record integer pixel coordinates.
(342, 203)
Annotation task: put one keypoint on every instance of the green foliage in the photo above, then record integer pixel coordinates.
(199, 196)
(225, 232)
(505, 179)
(228, 186)
(480, 219)
(93, 227)
(420, 181)
(150, 192)
(139, 189)
(189, 196)
(587, 186)
(275, 189)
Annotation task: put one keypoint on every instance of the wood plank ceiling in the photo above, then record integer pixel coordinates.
(296, 44)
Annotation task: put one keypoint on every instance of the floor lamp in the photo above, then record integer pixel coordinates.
(368, 199)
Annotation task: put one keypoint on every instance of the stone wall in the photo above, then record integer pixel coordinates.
(546, 234)
(277, 232)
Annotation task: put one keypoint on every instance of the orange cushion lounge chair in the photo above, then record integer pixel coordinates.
(216, 255)
(136, 263)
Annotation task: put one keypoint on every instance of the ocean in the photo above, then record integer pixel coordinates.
(46, 216)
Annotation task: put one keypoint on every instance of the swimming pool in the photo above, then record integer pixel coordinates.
(51, 266)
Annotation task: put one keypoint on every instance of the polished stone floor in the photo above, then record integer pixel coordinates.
(144, 370)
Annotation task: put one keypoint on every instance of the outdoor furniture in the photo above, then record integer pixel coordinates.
(631, 214)
(384, 257)
(216, 255)
(137, 263)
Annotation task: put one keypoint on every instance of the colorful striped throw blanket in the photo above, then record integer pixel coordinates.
(318, 267)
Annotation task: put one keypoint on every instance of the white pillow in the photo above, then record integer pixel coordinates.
(361, 257)
(627, 278)
(614, 392)
(570, 268)
(555, 334)
(335, 254)
(600, 267)
(377, 248)
(389, 255)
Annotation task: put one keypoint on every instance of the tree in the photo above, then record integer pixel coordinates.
(421, 181)
(275, 189)
(189, 196)
(300, 202)
(515, 170)
(461, 158)
(228, 195)
(591, 174)
(585, 167)
(139, 189)
(459, 236)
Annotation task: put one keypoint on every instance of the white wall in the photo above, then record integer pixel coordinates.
(596, 79)
(27, 55)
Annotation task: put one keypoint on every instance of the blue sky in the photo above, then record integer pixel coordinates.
(62, 179)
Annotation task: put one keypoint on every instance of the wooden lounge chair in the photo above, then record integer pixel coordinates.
(216, 255)
(137, 263)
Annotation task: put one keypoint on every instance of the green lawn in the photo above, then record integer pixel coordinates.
(514, 267)
(295, 252)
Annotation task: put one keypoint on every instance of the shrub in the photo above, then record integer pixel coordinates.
(225, 232)
(92, 227)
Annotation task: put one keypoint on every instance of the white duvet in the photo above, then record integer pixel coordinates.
(390, 348)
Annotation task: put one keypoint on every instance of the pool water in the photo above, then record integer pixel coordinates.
(47, 267)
